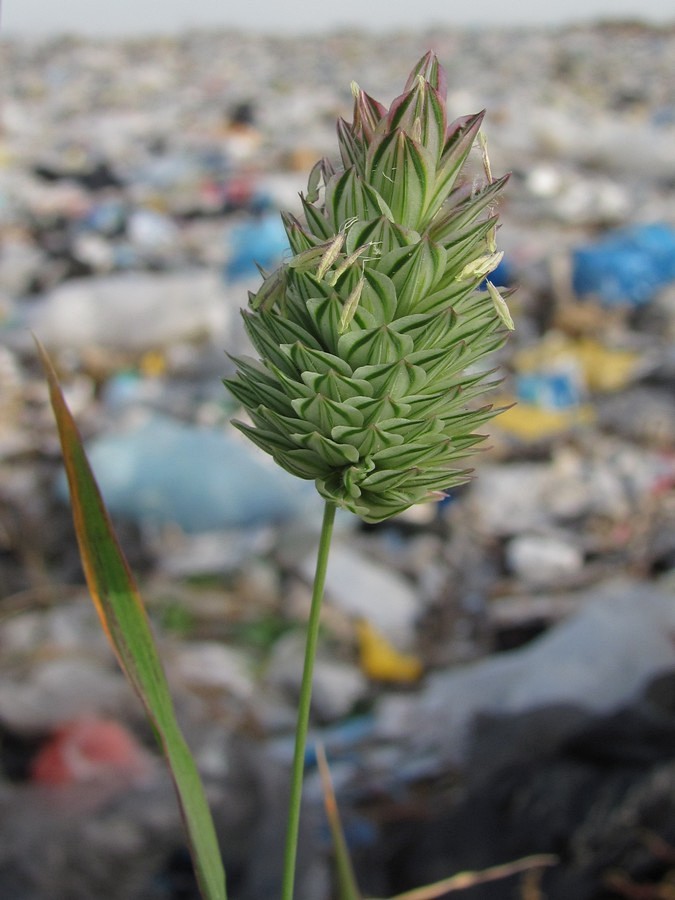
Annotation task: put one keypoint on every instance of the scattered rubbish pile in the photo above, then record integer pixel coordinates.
(487, 664)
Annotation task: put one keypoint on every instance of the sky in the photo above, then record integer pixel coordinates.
(44, 17)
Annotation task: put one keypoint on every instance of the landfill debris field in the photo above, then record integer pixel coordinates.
(496, 671)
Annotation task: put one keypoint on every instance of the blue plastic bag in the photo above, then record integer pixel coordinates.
(628, 267)
(262, 241)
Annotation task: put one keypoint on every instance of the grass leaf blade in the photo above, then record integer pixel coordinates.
(125, 622)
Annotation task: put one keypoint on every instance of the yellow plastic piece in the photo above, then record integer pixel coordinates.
(381, 661)
(529, 422)
(600, 368)
(153, 364)
(606, 369)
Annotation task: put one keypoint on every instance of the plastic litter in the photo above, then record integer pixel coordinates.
(138, 310)
(162, 472)
(627, 267)
(556, 378)
(141, 155)
(596, 660)
(91, 749)
(381, 661)
(259, 242)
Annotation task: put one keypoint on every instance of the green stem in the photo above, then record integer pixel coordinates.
(304, 703)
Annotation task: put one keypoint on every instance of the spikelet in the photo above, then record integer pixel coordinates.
(369, 335)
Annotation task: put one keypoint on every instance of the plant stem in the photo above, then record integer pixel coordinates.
(304, 703)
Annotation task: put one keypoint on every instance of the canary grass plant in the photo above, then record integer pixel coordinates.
(370, 335)
(371, 338)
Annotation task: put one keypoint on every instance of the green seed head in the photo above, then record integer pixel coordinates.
(369, 335)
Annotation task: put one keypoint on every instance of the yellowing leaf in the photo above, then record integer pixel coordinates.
(348, 888)
(124, 619)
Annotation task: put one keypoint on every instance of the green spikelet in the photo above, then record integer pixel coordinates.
(368, 337)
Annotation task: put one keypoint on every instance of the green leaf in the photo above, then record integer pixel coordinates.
(465, 204)
(126, 625)
(307, 360)
(298, 238)
(271, 441)
(443, 296)
(360, 233)
(414, 271)
(291, 386)
(368, 113)
(434, 122)
(379, 296)
(430, 70)
(301, 287)
(336, 386)
(429, 331)
(462, 422)
(367, 439)
(300, 461)
(413, 178)
(452, 354)
(325, 413)
(473, 325)
(411, 430)
(303, 464)
(398, 458)
(326, 313)
(317, 223)
(406, 109)
(314, 181)
(402, 171)
(251, 386)
(333, 454)
(459, 241)
(375, 409)
(395, 379)
(351, 148)
(379, 345)
(380, 161)
(461, 135)
(266, 344)
(334, 489)
(285, 331)
(286, 426)
(271, 291)
(382, 235)
(386, 479)
(349, 197)
(421, 109)
(252, 392)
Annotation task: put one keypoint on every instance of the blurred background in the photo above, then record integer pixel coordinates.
(496, 672)
(301, 17)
